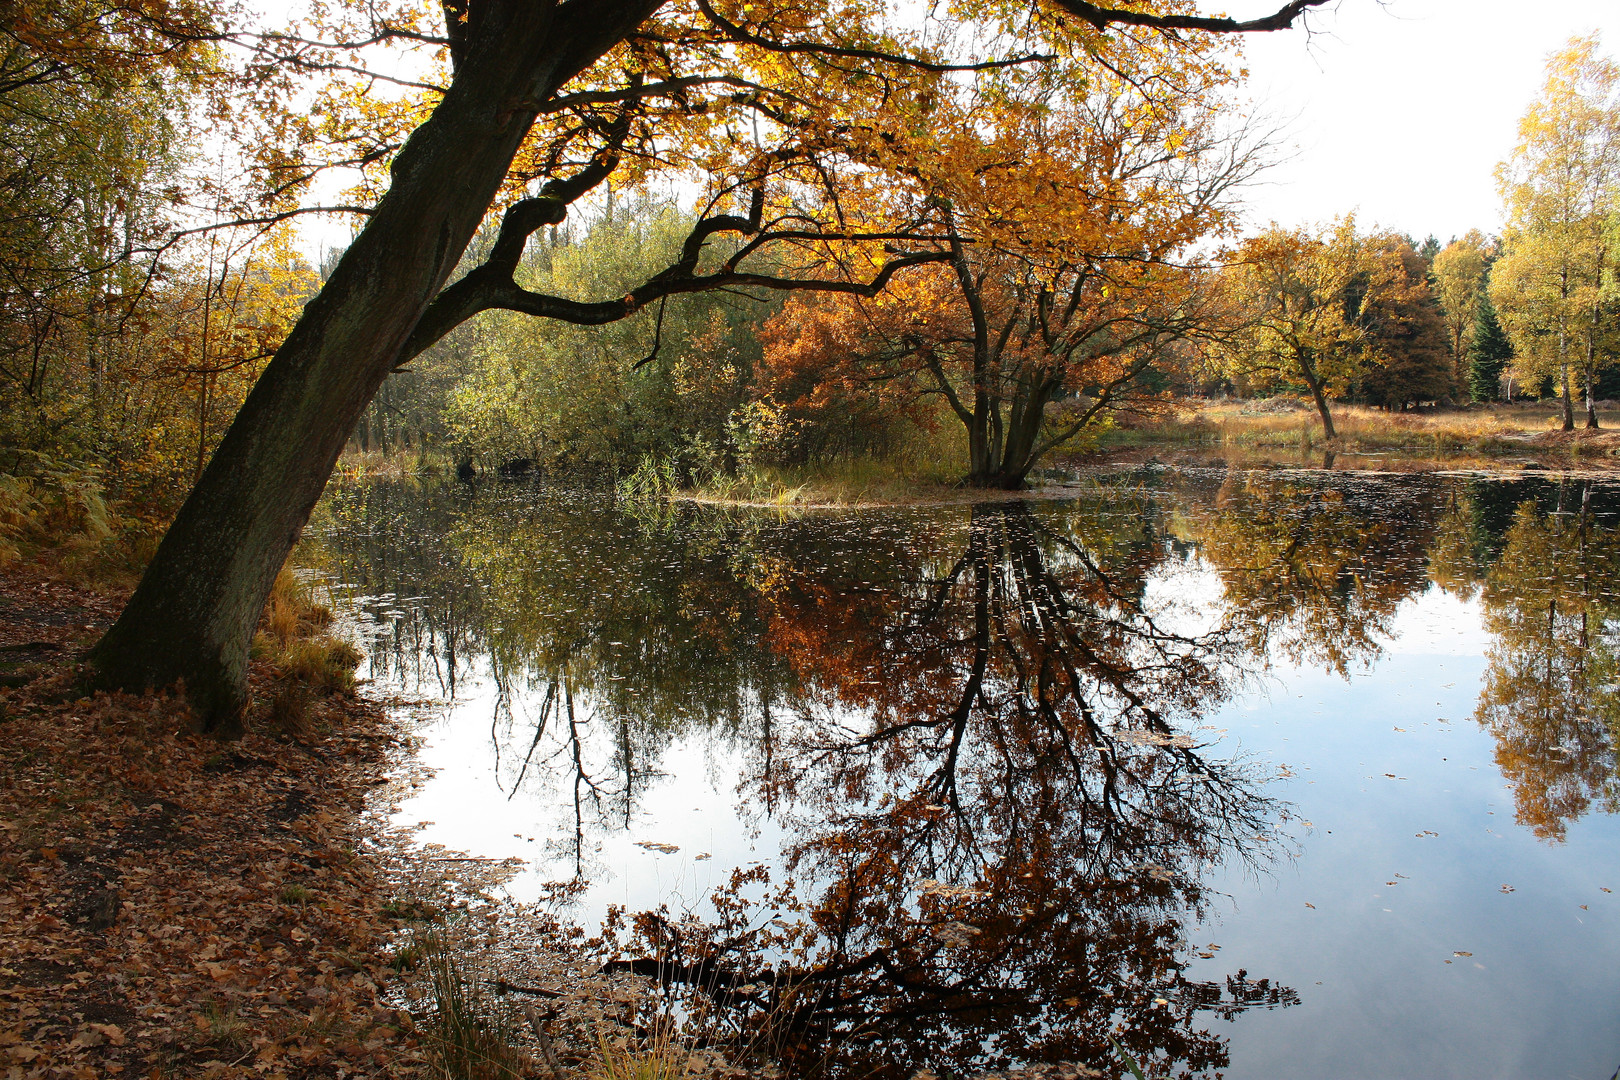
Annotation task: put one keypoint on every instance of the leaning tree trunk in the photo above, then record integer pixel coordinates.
(1317, 395)
(193, 615)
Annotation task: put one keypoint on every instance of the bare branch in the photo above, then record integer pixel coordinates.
(1100, 17)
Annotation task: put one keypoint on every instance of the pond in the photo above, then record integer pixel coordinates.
(1281, 773)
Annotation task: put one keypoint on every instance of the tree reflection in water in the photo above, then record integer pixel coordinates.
(973, 728)
(1549, 696)
(998, 817)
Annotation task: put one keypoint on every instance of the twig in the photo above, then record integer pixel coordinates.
(504, 987)
(544, 1040)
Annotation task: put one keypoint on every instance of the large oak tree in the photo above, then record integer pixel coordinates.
(558, 95)
(1086, 207)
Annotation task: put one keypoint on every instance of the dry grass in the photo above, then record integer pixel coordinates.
(925, 469)
(657, 1057)
(394, 465)
(294, 639)
(467, 1036)
(1282, 423)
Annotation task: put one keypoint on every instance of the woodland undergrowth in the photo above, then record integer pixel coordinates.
(174, 906)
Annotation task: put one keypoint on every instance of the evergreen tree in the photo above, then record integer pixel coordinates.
(1488, 352)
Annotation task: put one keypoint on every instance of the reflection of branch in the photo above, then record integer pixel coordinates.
(539, 730)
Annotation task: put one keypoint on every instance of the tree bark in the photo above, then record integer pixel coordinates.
(1569, 403)
(1563, 348)
(1309, 375)
(193, 615)
(1591, 375)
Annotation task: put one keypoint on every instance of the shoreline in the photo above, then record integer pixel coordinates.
(1171, 456)
(177, 904)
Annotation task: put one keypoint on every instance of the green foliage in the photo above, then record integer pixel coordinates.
(54, 511)
(1488, 352)
(654, 478)
(662, 383)
(46, 502)
(466, 1036)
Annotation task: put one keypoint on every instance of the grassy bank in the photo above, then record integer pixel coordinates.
(1254, 433)
(924, 469)
(1284, 423)
(408, 461)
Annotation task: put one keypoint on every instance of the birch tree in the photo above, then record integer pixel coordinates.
(1560, 187)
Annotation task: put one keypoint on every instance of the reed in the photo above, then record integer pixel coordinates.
(466, 1035)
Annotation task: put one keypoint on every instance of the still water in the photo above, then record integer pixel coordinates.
(1269, 774)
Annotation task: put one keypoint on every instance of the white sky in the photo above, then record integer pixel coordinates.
(1401, 111)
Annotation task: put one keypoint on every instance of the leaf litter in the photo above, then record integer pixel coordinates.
(171, 905)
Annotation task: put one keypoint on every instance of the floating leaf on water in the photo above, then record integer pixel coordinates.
(653, 845)
(1157, 738)
(955, 934)
(930, 887)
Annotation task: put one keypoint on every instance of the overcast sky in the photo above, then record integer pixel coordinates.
(1401, 111)
(1397, 110)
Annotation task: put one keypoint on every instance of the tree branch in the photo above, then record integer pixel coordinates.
(1101, 17)
(738, 34)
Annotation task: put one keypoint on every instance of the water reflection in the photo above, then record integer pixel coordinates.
(1549, 697)
(975, 731)
(998, 819)
(1312, 570)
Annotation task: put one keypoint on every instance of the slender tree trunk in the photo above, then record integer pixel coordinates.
(1308, 373)
(1569, 402)
(193, 615)
(1563, 349)
(1591, 403)
(1591, 349)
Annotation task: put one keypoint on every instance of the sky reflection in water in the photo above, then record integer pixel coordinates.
(1290, 774)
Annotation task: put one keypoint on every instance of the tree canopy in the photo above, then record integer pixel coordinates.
(1561, 194)
(800, 117)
